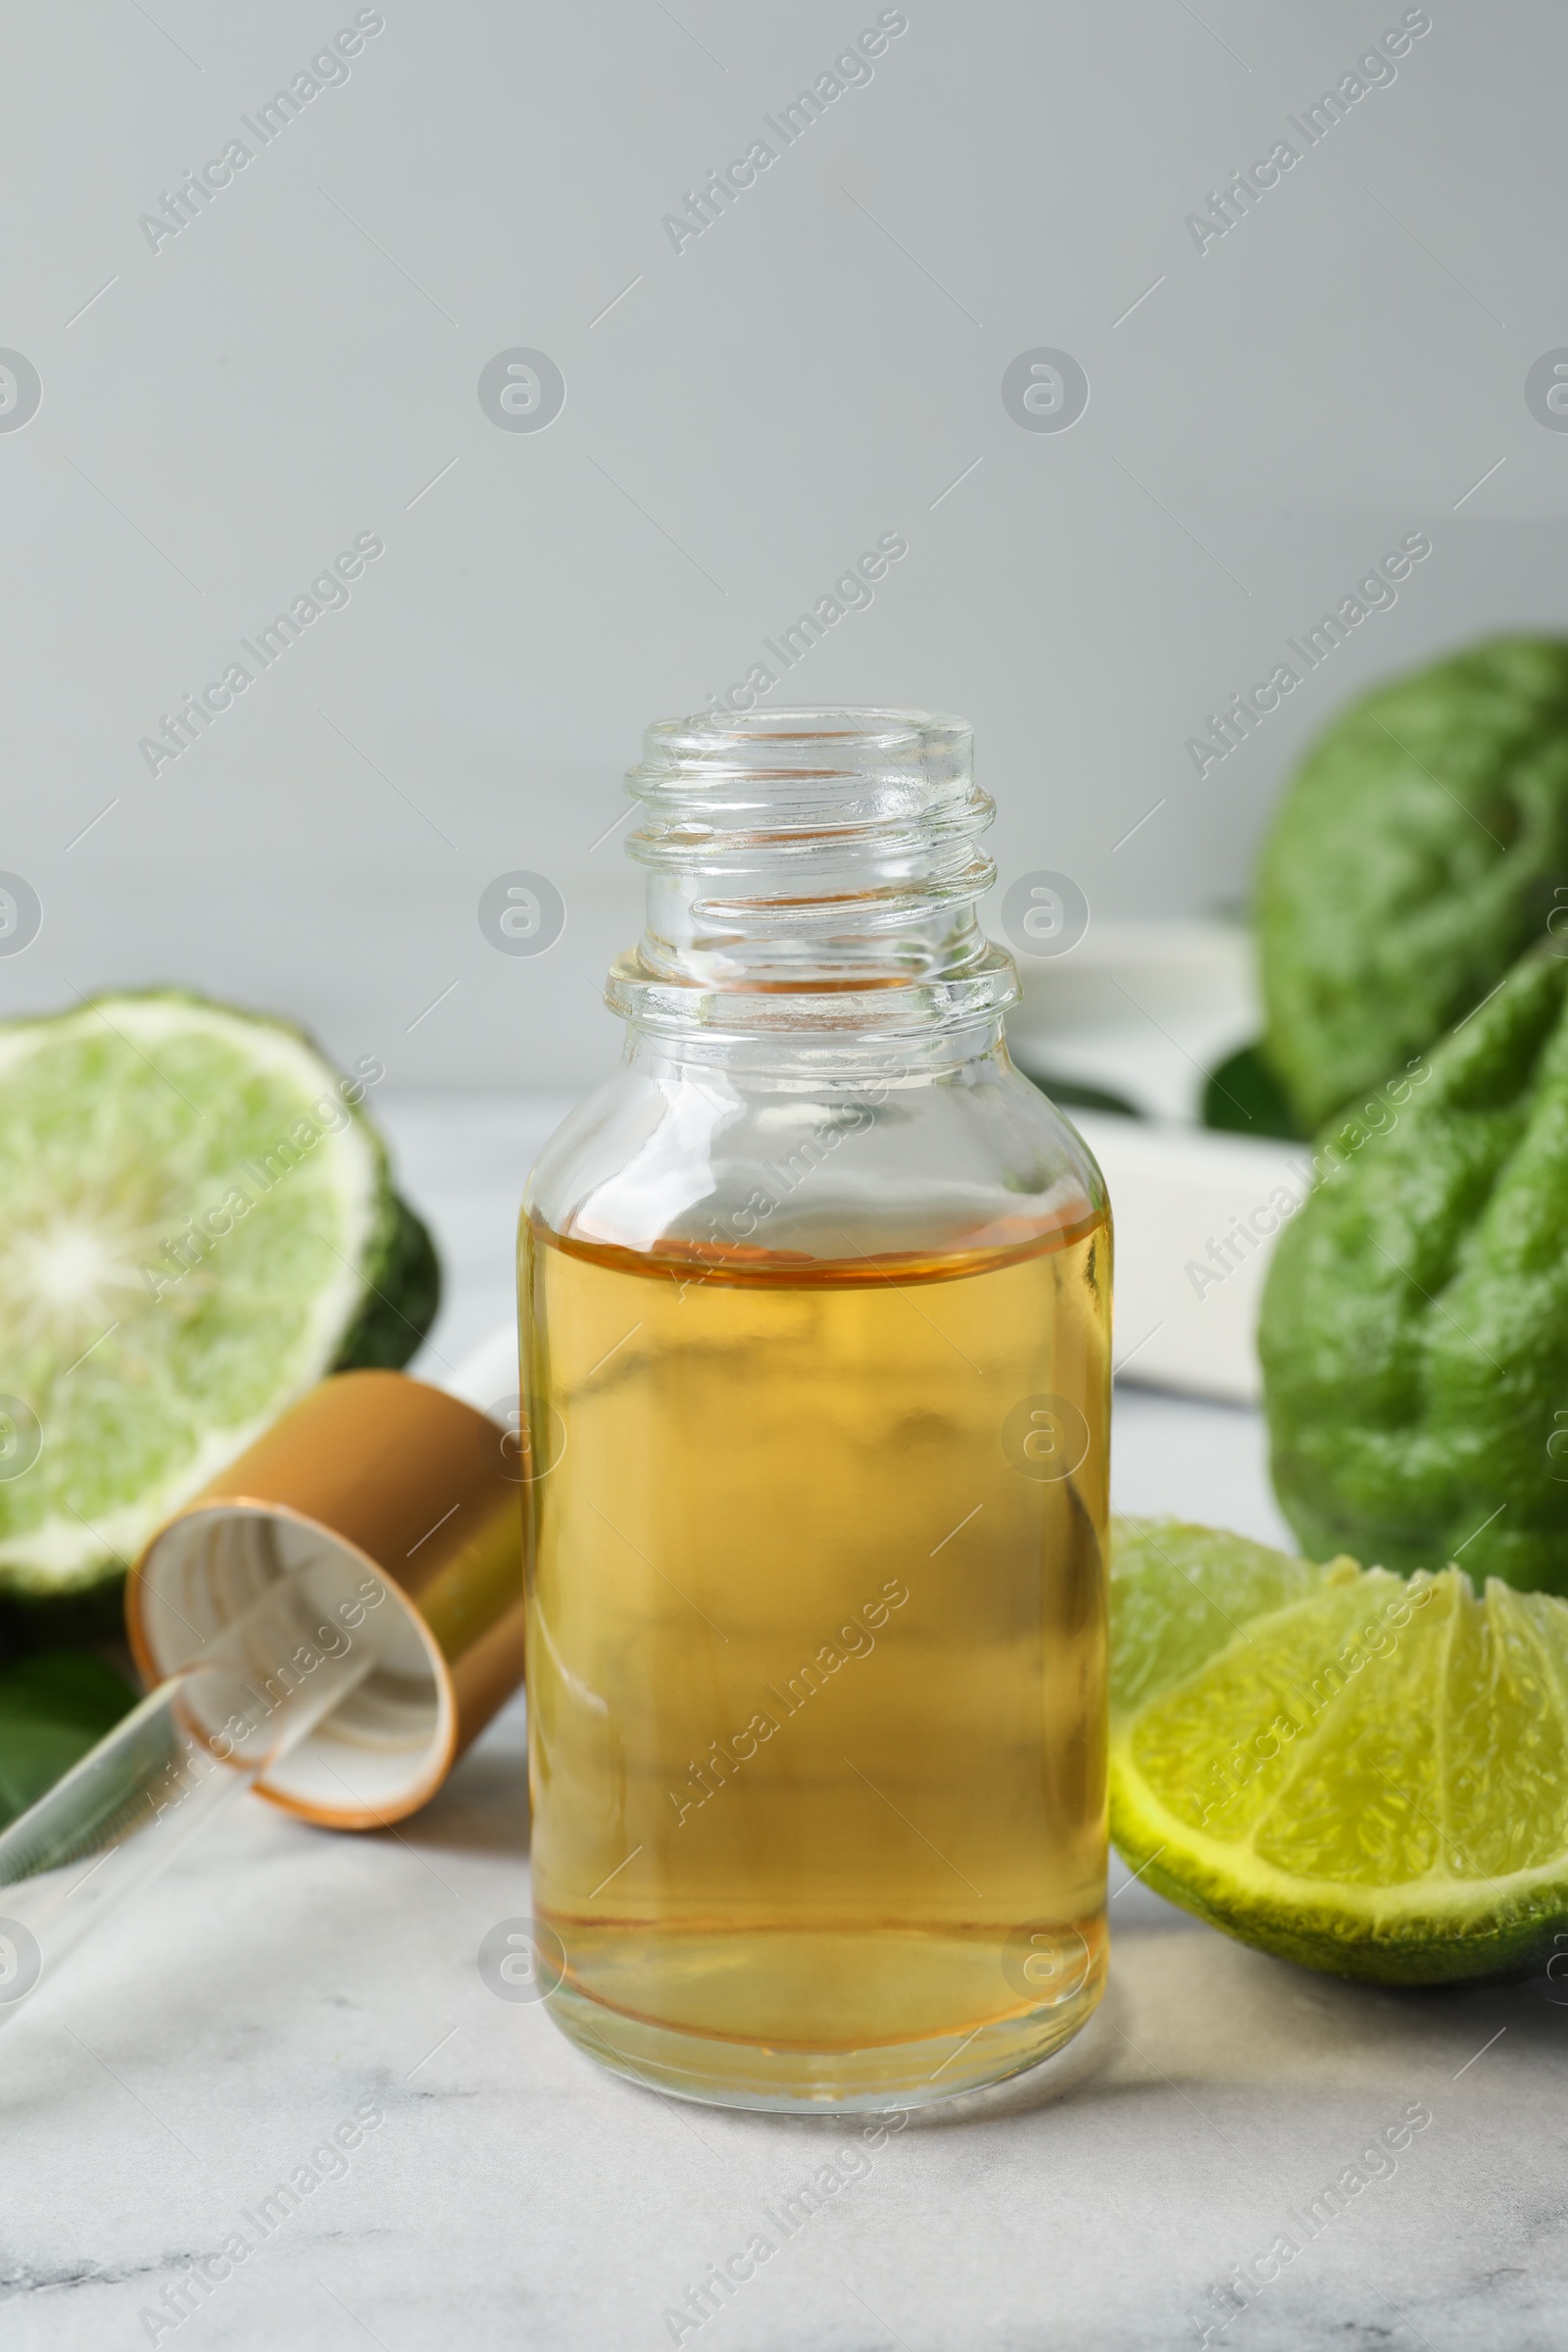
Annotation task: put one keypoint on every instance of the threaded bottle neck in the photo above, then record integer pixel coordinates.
(811, 868)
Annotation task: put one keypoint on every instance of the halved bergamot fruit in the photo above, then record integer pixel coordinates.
(1358, 1771)
(197, 1222)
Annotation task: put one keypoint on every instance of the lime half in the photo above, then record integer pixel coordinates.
(1362, 1771)
(197, 1221)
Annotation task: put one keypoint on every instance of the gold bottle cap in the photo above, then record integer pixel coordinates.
(424, 1494)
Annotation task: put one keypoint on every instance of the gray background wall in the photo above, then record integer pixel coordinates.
(300, 363)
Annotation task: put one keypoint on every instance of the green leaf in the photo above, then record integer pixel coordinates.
(1241, 1096)
(1075, 1093)
(54, 1706)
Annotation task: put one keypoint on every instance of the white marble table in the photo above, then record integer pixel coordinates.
(286, 1981)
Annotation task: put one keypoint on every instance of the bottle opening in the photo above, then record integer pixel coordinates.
(821, 852)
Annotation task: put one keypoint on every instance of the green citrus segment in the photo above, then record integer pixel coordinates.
(1178, 1593)
(197, 1222)
(1365, 1773)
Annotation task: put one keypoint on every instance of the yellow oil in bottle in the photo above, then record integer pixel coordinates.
(818, 1656)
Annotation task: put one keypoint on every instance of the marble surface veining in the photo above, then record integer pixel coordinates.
(237, 2031)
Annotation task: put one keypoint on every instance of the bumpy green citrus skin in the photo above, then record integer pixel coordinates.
(1369, 1778)
(1415, 1326)
(1414, 855)
(402, 1294)
(197, 1222)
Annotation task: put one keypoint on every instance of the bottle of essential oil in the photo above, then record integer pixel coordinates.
(815, 1307)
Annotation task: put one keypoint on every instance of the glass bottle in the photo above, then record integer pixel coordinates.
(816, 1311)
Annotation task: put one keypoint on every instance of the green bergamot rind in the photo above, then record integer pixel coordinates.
(1414, 855)
(1414, 1324)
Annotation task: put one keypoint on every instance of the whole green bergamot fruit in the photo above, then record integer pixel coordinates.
(1414, 1331)
(1416, 853)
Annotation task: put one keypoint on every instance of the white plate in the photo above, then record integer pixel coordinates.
(1196, 1216)
(1142, 1009)
(1145, 1010)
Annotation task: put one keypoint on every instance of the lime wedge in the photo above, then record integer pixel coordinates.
(196, 1222)
(1361, 1772)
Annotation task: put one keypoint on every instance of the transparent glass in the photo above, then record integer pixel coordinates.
(178, 1761)
(816, 1311)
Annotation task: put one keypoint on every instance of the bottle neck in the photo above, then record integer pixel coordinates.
(812, 874)
(790, 1058)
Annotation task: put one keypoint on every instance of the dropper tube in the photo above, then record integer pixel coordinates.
(178, 1760)
(251, 1691)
